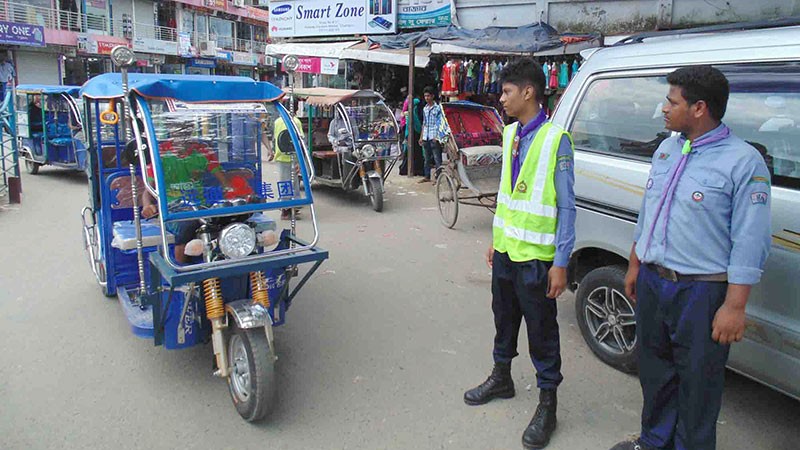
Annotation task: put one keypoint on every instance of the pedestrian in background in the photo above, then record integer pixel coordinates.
(433, 133)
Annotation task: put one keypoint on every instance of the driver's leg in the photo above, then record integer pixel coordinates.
(184, 232)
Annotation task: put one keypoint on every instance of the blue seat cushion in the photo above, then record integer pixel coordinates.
(61, 141)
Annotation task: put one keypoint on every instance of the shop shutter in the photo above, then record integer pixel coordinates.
(37, 68)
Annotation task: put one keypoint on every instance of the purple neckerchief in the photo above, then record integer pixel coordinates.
(719, 134)
(521, 133)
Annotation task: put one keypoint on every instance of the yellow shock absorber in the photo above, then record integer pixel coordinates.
(215, 311)
(215, 307)
(258, 288)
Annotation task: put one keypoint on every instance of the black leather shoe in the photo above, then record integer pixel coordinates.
(498, 385)
(543, 423)
(631, 445)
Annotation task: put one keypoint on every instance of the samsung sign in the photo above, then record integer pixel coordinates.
(282, 9)
(332, 17)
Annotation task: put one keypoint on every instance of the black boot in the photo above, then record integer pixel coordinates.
(498, 385)
(538, 433)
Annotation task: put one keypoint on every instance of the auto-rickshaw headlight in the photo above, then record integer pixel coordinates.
(237, 240)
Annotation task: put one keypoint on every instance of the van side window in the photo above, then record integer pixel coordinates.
(764, 110)
(622, 117)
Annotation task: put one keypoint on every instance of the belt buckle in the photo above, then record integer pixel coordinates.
(667, 274)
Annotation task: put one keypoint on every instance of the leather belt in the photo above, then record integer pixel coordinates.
(671, 275)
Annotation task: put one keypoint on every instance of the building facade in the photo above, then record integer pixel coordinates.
(69, 41)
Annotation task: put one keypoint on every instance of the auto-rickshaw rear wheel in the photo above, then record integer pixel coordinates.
(251, 381)
(376, 194)
(32, 167)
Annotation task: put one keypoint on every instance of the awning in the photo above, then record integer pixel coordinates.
(353, 50)
(361, 52)
(321, 96)
(317, 49)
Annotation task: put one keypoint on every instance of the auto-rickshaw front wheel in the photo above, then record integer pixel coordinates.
(252, 373)
(32, 167)
(376, 194)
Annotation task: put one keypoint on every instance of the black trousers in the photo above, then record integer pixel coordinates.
(519, 291)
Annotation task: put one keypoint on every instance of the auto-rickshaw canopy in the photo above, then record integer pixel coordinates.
(186, 88)
(330, 96)
(45, 89)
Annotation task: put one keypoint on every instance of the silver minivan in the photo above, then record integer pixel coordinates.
(612, 108)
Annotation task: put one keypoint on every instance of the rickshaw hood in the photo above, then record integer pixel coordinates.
(186, 88)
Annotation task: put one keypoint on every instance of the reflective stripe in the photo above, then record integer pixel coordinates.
(508, 137)
(524, 235)
(527, 206)
(544, 163)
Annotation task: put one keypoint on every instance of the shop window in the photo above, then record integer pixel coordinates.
(622, 116)
(221, 31)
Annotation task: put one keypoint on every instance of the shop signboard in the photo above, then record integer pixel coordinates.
(295, 18)
(185, 44)
(202, 63)
(433, 13)
(149, 45)
(245, 59)
(95, 44)
(327, 66)
(226, 56)
(21, 34)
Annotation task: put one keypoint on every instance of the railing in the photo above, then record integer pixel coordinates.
(51, 18)
(155, 32)
(229, 43)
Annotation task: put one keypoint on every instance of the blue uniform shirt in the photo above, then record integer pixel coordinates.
(565, 198)
(720, 216)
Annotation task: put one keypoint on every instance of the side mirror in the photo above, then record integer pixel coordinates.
(285, 142)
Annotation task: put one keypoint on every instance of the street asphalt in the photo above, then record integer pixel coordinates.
(376, 353)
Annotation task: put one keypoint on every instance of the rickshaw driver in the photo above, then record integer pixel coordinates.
(183, 171)
(35, 114)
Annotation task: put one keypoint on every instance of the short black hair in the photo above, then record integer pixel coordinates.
(524, 72)
(429, 90)
(703, 83)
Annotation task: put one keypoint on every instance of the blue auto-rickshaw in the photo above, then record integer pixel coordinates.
(231, 282)
(50, 127)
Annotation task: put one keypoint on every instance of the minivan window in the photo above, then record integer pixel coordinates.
(622, 116)
(764, 110)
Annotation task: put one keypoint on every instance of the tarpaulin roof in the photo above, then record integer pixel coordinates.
(49, 89)
(331, 96)
(525, 39)
(187, 88)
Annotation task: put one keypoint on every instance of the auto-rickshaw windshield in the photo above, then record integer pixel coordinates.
(372, 122)
(212, 154)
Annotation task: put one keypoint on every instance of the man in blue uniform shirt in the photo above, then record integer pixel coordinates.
(700, 243)
(533, 236)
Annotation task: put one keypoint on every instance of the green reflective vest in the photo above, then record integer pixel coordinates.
(279, 126)
(526, 216)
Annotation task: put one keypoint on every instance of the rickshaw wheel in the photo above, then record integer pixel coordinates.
(376, 194)
(32, 167)
(252, 378)
(447, 198)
